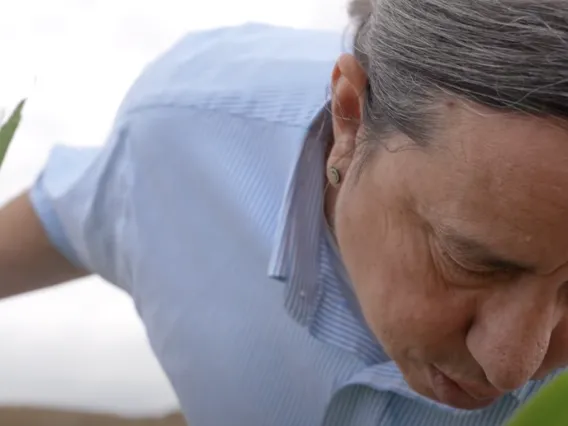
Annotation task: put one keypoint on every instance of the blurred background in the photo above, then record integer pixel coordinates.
(81, 346)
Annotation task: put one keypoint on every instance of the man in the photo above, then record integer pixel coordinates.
(393, 255)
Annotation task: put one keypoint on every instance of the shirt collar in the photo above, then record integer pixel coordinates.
(295, 256)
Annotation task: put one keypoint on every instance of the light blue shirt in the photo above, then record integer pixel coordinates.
(206, 206)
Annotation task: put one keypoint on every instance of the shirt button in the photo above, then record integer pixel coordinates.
(302, 294)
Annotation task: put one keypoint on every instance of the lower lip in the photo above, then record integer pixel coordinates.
(450, 393)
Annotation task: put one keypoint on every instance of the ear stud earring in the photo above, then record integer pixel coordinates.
(333, 175)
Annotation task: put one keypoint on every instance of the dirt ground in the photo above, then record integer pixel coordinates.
(24, 416)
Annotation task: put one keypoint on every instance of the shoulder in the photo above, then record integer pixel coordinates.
(255, 71)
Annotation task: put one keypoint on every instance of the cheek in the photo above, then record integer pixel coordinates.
(405, 303)
(557, 354)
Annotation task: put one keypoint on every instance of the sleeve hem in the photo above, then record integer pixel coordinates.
(51, 223)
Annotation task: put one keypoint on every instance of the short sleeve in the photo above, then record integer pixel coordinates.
(82, 198)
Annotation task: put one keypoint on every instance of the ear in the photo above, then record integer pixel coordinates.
(348, 82)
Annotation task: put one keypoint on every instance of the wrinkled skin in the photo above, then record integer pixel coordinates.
(458, 251)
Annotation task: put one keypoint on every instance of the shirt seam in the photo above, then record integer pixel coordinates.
(244, 116)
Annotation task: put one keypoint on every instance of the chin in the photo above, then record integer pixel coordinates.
(465, 403)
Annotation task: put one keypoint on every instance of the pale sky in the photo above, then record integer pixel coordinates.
(82, 345)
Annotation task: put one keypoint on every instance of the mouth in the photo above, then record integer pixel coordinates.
(459, 394)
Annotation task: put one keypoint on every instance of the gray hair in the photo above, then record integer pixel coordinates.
(510, 55)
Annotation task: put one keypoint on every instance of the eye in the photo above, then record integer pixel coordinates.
(463, 270)
(469, 271)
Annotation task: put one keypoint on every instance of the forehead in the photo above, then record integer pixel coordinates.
(507, 154)
(502, 177)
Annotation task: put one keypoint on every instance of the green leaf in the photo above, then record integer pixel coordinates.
(549, 407)
(8, 130)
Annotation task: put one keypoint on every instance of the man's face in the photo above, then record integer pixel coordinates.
(458, 253)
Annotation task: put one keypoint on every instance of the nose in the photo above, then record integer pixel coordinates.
(510, 335)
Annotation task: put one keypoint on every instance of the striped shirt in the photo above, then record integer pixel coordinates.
(205, 204)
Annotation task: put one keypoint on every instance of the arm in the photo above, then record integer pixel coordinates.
(28, 261)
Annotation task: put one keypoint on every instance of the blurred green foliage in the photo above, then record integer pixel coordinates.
(549, 407)
(8, 130)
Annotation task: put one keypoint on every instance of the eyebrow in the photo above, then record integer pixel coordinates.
(480, 254)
